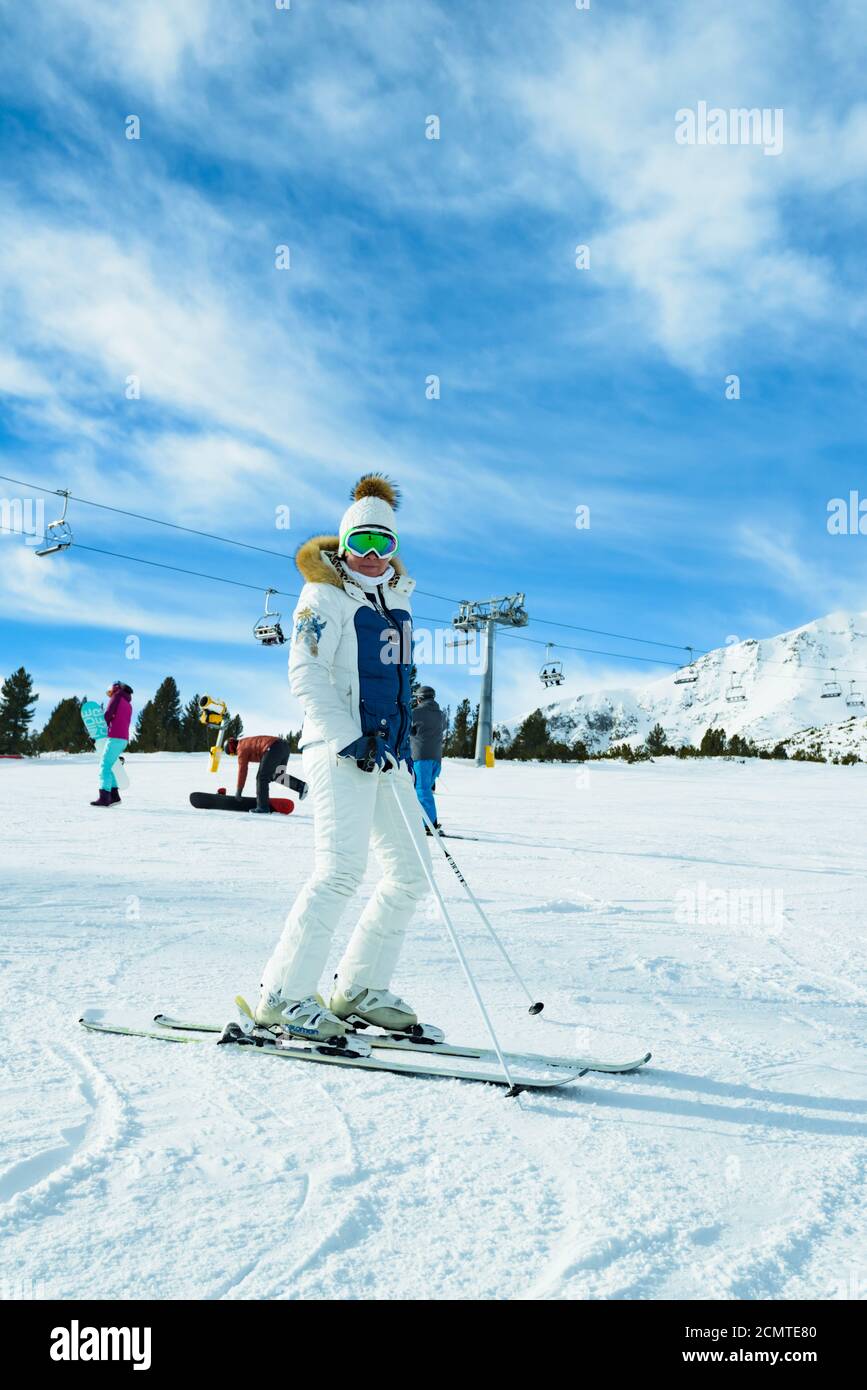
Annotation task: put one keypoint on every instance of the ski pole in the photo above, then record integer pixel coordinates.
(536, 1006)
(449, 926)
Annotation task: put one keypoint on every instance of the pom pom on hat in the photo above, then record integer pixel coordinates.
(376, 485)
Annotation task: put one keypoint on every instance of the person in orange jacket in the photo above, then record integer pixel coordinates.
(270, 752)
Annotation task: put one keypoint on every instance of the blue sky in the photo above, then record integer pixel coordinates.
(411, 257)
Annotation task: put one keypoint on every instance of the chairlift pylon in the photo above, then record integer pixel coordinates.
(854, 697)
(832, 689)
(736, 690)
(58, 533)
(687, 675)
(552, 670)
(268, 630)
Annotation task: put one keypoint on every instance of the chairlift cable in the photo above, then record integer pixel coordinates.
(160, 564)
(283, 555)
(154, 520)
(436, 622)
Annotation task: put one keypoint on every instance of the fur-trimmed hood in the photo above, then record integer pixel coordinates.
(314, 560)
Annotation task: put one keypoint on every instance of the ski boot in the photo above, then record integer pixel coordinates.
(437, 827)
(302, 1018)
(104, 799)
(114, 794)
(377, 1007)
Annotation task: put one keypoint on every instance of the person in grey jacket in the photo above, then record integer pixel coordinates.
(426, 746)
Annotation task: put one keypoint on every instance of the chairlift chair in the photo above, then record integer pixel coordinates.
(736, 690)
(58, 533)
(832, 689)
(268, 630)
(854, 697)
(687, 675)
(552, 671)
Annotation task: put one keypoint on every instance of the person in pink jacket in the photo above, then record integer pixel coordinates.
(118, 714)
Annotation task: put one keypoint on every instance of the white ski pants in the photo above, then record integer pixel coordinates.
(352, 810)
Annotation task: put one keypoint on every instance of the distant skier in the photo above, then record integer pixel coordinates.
(350, 668)
(270, 752)
(118, 714)
(428, 727)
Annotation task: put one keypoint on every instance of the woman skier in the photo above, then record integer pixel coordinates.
(118, 714)
(350, 668)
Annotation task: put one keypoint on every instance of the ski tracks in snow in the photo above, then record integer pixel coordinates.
(34, 1186)
(297, 1239)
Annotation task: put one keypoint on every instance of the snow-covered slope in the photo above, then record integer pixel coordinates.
(712, 911)
(780, 682)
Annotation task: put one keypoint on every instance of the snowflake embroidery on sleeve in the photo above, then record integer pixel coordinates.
(308, 629)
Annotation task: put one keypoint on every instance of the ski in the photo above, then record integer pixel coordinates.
(382, 1040)
(479, 1054)
(300, 1051)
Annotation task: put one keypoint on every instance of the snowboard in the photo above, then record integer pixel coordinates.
(219, 801)
(93, 720)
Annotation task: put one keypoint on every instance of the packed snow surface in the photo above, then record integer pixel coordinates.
(712, 912)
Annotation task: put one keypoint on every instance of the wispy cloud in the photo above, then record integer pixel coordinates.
(410, 257)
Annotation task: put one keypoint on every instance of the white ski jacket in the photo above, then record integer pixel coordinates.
(351, 653)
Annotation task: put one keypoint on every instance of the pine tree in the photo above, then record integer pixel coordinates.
(472, 733)
(64, 731)
(460, 741)
(655, 743)
(196, 737)
(167, 709)
(147, 731)
(234, 728)
(531, 740)
(17, 699)
(713, 743)
(455, 741)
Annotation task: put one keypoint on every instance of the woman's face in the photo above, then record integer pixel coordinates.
(371, 565)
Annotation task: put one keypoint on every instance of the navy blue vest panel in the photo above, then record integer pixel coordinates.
(384, 681)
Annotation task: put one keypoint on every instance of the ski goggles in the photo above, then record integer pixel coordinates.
(365, 540)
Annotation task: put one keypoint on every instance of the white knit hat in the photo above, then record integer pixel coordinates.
(375, 499)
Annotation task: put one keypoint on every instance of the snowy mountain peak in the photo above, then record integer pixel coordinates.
(770, 689)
